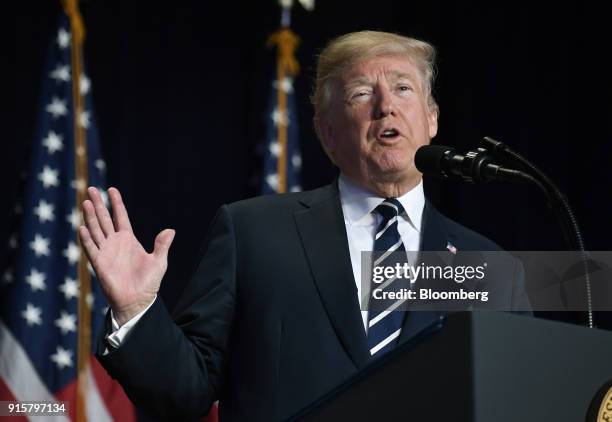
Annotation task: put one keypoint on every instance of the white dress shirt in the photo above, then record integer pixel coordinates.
(360, 221)
(118, 335)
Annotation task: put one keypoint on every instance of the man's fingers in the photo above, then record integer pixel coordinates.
(91, 221)
(162, 243)
(91, 250)
(120, 215)
(104, 218)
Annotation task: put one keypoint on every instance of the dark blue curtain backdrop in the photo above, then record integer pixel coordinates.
(180, 89)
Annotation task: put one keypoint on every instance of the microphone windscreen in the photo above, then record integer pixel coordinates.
(429, 159)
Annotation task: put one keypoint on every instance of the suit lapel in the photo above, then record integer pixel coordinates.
(323, 233)
(434, 237)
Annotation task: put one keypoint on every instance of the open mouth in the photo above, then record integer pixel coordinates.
(388, 134)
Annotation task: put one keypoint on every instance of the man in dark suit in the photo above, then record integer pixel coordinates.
(273, 317)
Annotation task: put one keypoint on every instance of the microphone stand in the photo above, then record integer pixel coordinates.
(556, 200)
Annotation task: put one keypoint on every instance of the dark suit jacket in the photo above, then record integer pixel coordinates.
(270, 320)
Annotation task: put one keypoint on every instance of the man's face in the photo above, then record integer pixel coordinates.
(377, 119)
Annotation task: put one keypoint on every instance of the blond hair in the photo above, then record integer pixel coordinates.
(349, 49)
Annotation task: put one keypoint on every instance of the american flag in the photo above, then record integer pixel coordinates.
(282, 159)
(39, 288)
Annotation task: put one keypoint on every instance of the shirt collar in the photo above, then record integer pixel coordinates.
(358, 203)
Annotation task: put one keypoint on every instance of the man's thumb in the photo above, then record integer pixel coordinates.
(162, 243)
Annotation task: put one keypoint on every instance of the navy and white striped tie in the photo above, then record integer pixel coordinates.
(384, 319)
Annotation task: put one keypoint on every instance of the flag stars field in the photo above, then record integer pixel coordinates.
(57, 108)
(49, 177)
(32, 315)
(275, 148)
(85, 119)
(84, 84)
(66, 322)
(36, 280)
(74, 218)
(70, 288)
(40, 245)
(62, 357)
(63, 38)
(44, 211)
(280, 118)
(296, 160)
(61, 73)
(53, 142)
(72, 253)
(272, 180)
(100, 165)
(286, 85)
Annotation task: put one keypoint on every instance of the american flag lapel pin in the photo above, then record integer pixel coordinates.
(451, 248)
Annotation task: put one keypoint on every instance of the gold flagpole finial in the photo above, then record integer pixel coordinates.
(71, 7)
(286, 42)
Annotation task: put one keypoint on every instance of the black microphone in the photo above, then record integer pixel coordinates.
(474, 167)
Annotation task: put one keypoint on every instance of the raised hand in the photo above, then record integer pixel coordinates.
(130, 277)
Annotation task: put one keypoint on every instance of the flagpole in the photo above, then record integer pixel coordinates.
(281, 127)
(286, 64)
(71, 8)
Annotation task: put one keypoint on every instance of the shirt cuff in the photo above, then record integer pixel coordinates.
(119, 334)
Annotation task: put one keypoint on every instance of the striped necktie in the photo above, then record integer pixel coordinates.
(384, 320)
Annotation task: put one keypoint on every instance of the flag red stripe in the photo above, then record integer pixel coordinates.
(68, 393)
(7, 394)
(118, 404)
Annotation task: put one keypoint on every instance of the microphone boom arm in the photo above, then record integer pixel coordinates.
(559, 204)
